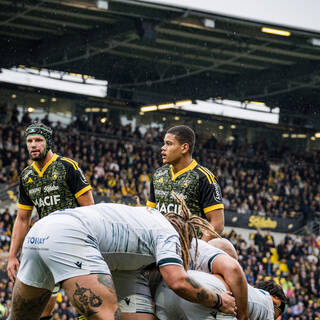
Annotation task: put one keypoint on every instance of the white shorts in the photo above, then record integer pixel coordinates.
(59, 250)
(133, 292)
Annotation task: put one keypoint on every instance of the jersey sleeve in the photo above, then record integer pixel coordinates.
(152, 198)
(210, 192)
(76, 180)
(206, 254)
(168, 250)
(24, 201)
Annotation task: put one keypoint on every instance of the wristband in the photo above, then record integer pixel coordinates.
(218, 304)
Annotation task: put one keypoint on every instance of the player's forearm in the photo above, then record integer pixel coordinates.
(20, 229)
(191, 290)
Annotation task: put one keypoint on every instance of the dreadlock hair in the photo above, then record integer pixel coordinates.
(186, 225)
(273, 288)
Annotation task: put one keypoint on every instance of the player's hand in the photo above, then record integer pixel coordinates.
(228, 303)
(12, 268)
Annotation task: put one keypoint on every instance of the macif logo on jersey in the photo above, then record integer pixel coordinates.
(171, 207)
(47, 201)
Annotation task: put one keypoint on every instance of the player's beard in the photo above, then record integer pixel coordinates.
(38, 157)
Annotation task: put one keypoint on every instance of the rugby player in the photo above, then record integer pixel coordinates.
(185, 176)
(79, 247)
(265, 302)
(50, 183)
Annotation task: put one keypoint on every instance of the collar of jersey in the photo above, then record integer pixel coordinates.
(191, 166)
(41, 172)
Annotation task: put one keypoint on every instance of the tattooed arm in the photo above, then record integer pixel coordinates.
(185, 287)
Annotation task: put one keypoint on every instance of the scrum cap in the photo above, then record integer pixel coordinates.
(42, 130)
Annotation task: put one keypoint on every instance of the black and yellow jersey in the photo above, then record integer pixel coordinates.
(56, 186)
(197, 184)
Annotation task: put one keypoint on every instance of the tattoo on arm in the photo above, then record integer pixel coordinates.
(85, 299)
(193, 283)
(202, 294)
(107, 282)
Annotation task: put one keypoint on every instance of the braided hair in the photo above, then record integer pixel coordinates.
(187, 225)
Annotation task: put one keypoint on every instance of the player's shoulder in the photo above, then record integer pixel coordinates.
(161, 171)
(206, 248)
(205, 173)
(67, 162)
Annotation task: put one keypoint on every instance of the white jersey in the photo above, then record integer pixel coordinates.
(206, 254)
(128, 237)
(96, 239)
(169, 306)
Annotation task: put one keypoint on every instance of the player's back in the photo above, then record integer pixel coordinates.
(128, 237)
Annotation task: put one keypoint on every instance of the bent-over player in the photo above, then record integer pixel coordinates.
(79, 247)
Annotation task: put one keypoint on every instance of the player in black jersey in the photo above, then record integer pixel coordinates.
(50, 183)
(185, 176)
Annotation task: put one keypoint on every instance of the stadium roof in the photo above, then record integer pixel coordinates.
(151, 53)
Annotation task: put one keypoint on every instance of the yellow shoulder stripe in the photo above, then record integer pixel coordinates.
(74, 163)
(210, 174)
(204, 172)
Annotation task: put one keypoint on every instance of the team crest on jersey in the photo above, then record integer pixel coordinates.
(54, 175)
(160, 180)
(30, 180)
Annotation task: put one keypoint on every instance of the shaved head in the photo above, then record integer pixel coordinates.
(225, 245)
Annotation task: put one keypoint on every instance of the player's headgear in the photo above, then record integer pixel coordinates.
(38, 128)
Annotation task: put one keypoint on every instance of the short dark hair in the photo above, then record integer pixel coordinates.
(273, 288)
(184, 134)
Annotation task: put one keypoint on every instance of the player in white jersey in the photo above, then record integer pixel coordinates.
(136, 301)
(265, 303)
(79, 247)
